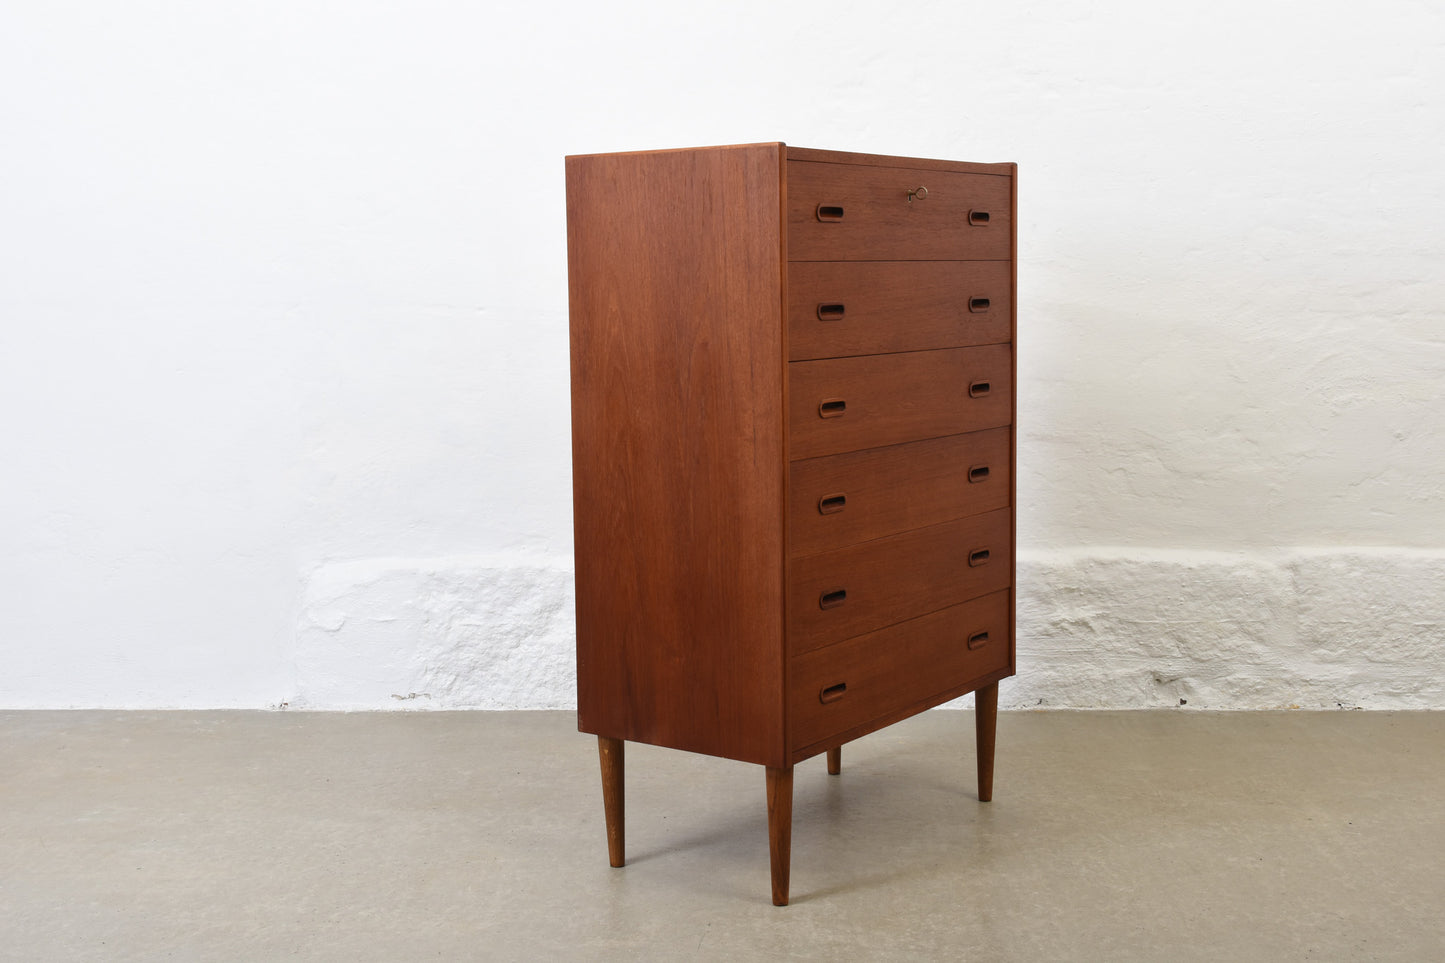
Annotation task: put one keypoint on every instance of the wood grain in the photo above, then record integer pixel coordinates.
(896, 666)
(611, 754)
(1014, 406)
(892, 579)
(895, 306)
(716, 602)
(884, 491)
(891, 160)
(896, 714)
(985, 722)
(879, 223)
(780, 829)
(675, 282)
(893, 398)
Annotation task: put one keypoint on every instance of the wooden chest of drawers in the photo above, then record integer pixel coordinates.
(793, 451)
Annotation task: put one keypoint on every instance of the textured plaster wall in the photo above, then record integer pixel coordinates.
(283, 379)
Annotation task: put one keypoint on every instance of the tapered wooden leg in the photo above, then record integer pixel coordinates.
(835, 760)
(610, 752)
(780, 829)
(985, 722)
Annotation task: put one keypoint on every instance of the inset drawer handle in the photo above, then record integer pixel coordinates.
(977, 474)
(833, 598)
(833, 693)
(978, 640)
(978, 389)
(977, 557)
(829, 504)
(832, 212)
(832, 408)
(975, 218)
(830, 311)
(978, 305)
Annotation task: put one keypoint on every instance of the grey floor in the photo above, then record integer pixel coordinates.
(454, 836)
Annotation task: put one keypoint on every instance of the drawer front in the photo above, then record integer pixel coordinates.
(841, 499)
(838, 309)
(839, 594)
(846, 212)
(849, 404)
(874, 676)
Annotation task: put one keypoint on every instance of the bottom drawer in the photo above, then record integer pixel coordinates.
(881, 674)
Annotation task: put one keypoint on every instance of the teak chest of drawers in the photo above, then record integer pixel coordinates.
(793, 451)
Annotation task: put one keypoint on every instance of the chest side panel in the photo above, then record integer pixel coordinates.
(675, 283)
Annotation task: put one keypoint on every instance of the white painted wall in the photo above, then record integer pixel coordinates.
(283, 366)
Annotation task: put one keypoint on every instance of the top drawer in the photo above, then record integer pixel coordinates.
(846, 212)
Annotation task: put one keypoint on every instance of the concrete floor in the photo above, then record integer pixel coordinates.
(1113, 836)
